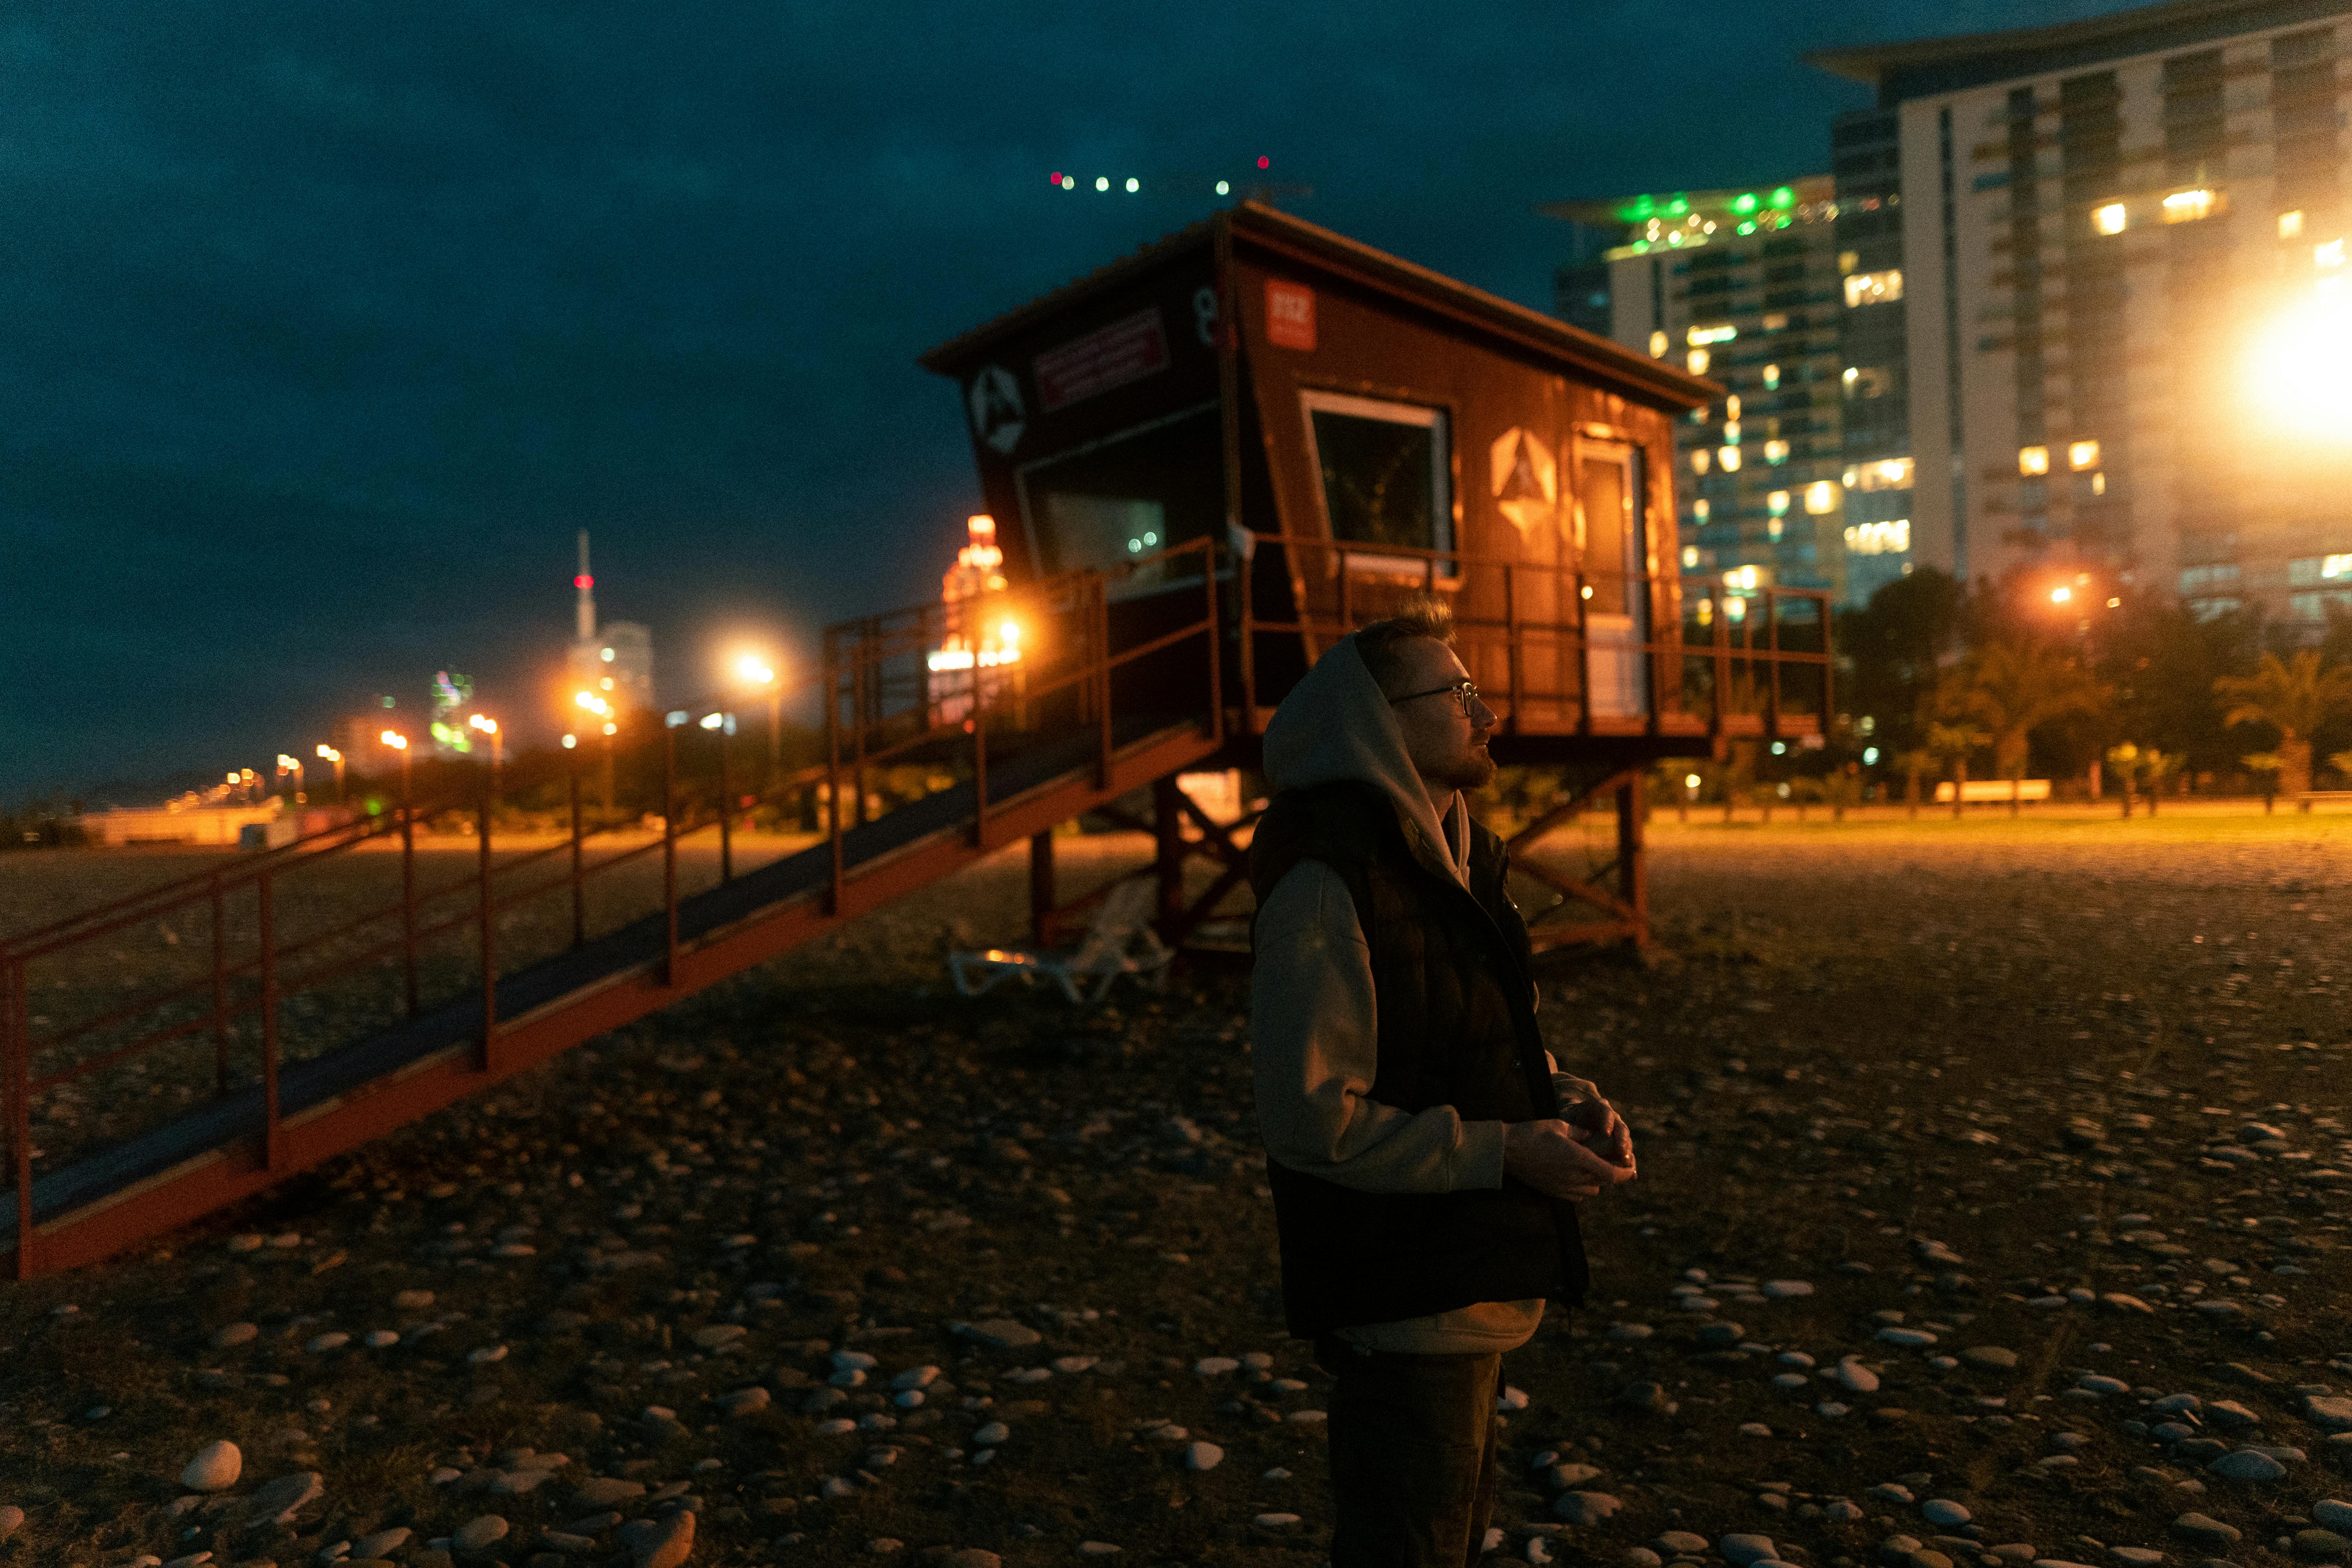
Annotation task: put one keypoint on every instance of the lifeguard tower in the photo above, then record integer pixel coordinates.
(1204, 464)
(1307, 430)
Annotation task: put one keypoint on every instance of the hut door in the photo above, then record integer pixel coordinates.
(1616, 589)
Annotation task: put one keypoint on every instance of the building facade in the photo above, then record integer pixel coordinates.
(2121, 249)
(1760, 291)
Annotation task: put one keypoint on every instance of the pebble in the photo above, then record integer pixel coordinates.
(1000, 1333)
(12, 1519)
(2332, 1412)
(1099, 1549)
(1784, 1289)
(1584, 1507)
(971, 1557)
(214, 1468)
(603, 1491)
(380, 1338)
(916, 1377)
(2210, 1533)
(1744, 1550)
(1202, 1456)
(1944, 1511)
(2330, 1514)
(412, 1300)
(1680, 1543)
(2248, 1466)
(2323, 1545)
(670, 1542)
(718, 1335)
(1989, 1358)
(741, 1401)
(1216, 1365)
(2096, 1384)
(477, 1534)
(229, 1336)
(1907, 1337)
(993, 1433)
(278, 1501)
(1855, 1377)
(381, 1543)
(329, 1342)
(1275, 1520)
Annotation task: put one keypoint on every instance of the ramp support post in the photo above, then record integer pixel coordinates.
(1168, 853)
(1040, 888)
(489, 941)
(1632, 869)
(20, 1114)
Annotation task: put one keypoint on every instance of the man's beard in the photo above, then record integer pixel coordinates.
(1474, 769)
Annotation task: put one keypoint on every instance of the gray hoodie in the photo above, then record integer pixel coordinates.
(1313, 1012)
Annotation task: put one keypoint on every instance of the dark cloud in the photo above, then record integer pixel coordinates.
(325, 327)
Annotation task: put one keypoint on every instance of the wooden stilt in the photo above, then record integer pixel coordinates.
(1633, 870)
(1168, 855)
(1040, 888)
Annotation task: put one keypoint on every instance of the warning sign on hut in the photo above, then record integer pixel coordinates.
(1112, 356)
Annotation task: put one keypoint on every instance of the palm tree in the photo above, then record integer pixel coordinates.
(2294, 697)
(1954, 742)
(2012, 688)
(1912, 765)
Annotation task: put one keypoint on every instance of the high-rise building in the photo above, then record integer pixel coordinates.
(614, 665)
(1743, 286)
(2120, 244)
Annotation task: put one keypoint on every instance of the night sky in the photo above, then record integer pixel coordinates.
(324, 326)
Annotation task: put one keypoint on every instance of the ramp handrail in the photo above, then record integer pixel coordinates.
(1071, 670)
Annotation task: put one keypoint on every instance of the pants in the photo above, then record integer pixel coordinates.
(1412, 1456)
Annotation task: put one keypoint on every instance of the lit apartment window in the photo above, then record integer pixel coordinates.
(2328, 257)
(1729, 458)
(1772, 526)
(1878, 538)
(1776, 503)
(1776, 321)
(1771, 378)
(2197, 579)
(2108, 219)
(1820, 497)
(1690, 557)
(1701, 509)
(1698, 360)
(2332, 566)
(1873, 288)
(2291, 225)
(1659, 344)
(1731, 431)
(1715, 333)
(2034, 460)
(1701, 459)
(1731, 407)
(1744, 578)
(2099, 484)
(1887, 474)
(1848, 260)
(2187, 207)
(2082, 455)
(1775, 451)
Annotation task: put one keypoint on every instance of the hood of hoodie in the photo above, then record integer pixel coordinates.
(1335, 724)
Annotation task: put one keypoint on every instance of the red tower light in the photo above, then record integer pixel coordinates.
(584, 581)
(1265, 163)
(1054, 179)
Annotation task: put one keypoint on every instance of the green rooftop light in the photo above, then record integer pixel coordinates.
(1678, 207)
(1748, 227)
(1744, 203)
(1784, 197)
(1640, 207)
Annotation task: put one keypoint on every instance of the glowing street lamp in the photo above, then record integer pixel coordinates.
(336, 757)
(757, 672)
(498, 746)
(287, 765)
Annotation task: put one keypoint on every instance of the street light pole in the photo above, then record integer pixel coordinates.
(335, 757)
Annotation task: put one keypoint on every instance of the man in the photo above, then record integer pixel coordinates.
(1424, 1172)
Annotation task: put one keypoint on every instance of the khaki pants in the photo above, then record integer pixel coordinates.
(1412, 1456)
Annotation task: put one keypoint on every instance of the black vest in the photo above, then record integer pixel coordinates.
(1456, 1026)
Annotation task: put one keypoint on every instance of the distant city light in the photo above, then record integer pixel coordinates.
(605, 653)
(1102, 182)
(1265, 163)
(2108, 219)
(2060, 594)
(1870, 756)
(2291, 225)
(1133, 185)
(396, 740)
(570, 742)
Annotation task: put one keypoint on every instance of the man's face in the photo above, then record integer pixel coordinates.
(1448, 747)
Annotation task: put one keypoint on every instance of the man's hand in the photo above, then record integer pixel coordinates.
(1597, 1122)
(1550, 1157)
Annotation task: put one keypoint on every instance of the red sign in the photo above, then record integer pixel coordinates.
(1112, 356)
(1289, 315)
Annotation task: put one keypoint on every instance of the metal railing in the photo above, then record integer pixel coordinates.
(881, 701)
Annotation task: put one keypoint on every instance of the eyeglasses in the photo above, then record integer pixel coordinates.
(1464, 692)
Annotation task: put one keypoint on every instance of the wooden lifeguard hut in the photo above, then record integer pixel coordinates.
(1325, 429)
